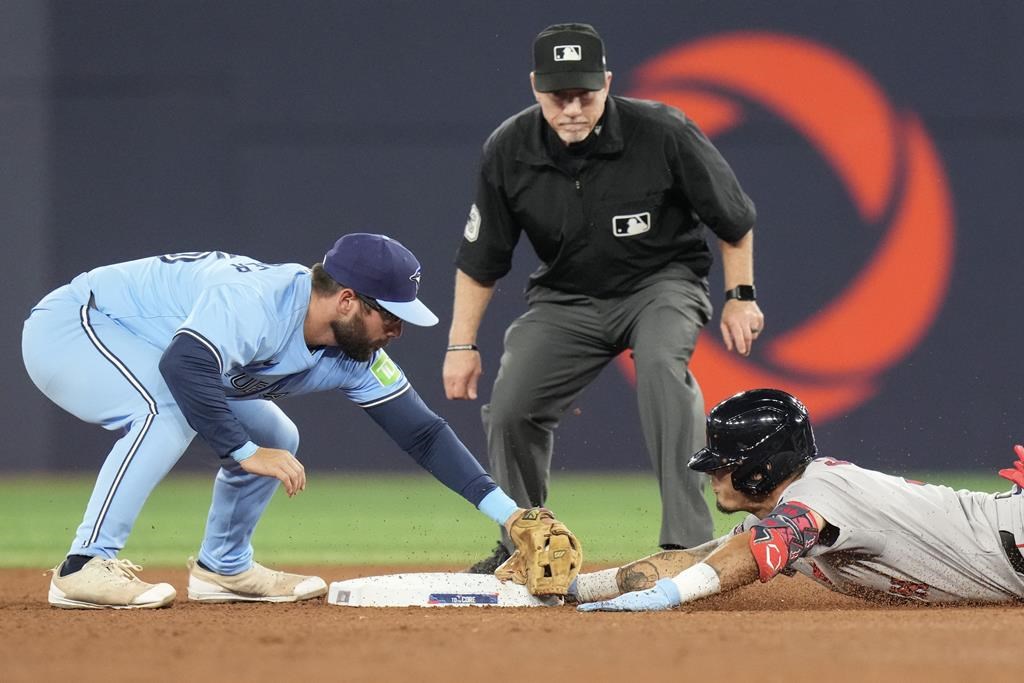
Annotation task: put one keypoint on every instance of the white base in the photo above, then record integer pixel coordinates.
(433, 589)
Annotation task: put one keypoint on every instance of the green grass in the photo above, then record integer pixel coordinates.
(351, 519)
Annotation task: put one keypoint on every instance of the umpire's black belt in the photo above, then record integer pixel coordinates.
(1013, 553)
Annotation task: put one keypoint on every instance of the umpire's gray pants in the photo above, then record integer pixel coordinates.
(555, 349)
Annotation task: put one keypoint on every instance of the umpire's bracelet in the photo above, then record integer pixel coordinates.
(463, 347)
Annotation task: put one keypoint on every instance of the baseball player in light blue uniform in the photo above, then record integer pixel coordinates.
(162, 348)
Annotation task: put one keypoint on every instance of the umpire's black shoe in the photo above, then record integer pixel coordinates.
(492, 562)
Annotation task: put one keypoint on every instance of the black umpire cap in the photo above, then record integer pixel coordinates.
(568, 56)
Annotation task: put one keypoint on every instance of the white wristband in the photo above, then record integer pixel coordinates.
(699, 581)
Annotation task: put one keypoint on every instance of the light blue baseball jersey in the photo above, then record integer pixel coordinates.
(249, 315)
(97, 347)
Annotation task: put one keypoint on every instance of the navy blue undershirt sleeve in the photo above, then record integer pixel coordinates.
(433, 445)
(193, 376)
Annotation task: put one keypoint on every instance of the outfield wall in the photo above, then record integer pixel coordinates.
(881, 142)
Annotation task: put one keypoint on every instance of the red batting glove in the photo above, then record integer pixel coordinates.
(1015, 473)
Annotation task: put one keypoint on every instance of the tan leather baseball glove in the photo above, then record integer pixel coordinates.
(547, 557)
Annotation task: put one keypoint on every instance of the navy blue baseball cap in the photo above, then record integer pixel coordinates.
(380, 268)
(568, 56)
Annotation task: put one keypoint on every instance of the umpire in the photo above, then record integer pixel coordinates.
(613, 193)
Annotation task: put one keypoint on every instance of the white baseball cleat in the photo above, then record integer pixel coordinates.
(256, 584)
(107, 584)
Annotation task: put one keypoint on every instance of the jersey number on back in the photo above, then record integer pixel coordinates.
(192, 256)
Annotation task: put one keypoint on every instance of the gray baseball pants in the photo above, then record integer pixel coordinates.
(558, 347)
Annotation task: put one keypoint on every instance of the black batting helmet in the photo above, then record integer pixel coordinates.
(764, 433)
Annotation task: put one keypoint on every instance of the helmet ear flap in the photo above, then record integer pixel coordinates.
(754, 478)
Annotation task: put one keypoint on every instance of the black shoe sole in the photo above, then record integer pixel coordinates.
(489, 564)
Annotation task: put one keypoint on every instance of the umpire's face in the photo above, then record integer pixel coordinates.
(572, 114)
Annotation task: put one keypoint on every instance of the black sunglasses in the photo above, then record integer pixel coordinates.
(387, 316)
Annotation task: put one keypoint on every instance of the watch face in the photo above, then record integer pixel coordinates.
(742, 293)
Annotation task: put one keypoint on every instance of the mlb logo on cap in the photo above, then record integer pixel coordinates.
(568, 56)
(568, 53)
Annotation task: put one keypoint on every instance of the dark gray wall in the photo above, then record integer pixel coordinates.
(269, 128)
(26, 209)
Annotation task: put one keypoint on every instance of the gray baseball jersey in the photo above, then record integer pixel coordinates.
(888, 537)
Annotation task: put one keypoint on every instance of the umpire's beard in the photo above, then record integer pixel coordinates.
(352, 339)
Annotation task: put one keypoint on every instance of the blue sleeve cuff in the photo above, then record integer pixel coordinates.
(246, 450)
(498, 506)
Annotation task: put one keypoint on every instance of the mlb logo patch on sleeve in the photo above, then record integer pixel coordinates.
(385, 370)
(472, 230)
(631, 224)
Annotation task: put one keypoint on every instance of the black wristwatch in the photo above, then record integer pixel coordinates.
(742, 293)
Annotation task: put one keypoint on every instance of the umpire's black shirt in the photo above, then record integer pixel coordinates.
(631, 214)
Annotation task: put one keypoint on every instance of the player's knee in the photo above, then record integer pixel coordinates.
(513, 415)
(290, 438)
(501, 415)
(285, 436)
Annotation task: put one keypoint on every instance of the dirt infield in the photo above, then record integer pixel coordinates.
(791, 630)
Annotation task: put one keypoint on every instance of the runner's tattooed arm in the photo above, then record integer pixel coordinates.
(644, 573)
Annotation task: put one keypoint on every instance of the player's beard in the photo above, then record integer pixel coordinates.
(726, 510)
(352, 339)
(747, 504)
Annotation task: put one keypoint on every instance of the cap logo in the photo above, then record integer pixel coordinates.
(568, 53)
(415, 277)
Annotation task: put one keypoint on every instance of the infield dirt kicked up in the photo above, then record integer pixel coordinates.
(790, 630)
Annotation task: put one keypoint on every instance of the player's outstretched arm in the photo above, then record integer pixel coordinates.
(641, 574)
(734, 564)
(548, 556)
(788, 532)
(731, 566)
